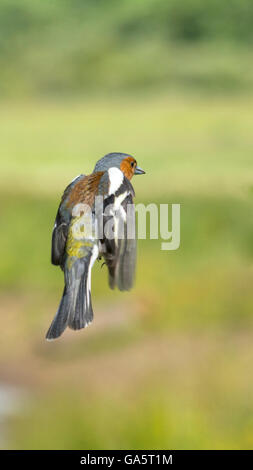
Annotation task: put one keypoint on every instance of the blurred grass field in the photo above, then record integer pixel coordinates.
(167, 365)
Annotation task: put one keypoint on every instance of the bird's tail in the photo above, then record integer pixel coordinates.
(75, 309)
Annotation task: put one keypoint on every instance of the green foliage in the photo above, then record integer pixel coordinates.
(156, 419)
(78, 47)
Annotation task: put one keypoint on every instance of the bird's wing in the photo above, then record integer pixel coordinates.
(120, 251)
(60, 230)
(81, 190)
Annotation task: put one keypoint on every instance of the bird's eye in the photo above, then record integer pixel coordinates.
(132, 164)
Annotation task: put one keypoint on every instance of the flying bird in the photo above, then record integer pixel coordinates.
(89, 204)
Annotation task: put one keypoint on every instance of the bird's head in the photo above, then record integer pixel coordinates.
(125, 162)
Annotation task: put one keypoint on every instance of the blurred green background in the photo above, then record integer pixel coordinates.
(168, 365)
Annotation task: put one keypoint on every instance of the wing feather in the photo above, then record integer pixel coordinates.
(120, 252)
(60, 230)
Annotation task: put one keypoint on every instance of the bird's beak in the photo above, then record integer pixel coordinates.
(139, 171)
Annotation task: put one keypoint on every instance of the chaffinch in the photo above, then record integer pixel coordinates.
(76, 245)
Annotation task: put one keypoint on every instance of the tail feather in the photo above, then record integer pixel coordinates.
(75, 309)
(60, 320)
(82, 313)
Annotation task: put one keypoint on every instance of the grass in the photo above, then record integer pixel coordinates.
(185, 143)
(166, 365)
(73, 48)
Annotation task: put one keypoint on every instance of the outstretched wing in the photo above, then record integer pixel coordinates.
(120, 251)
(60, 230)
